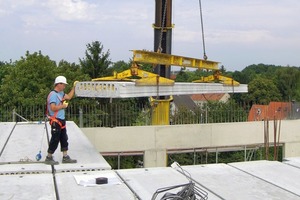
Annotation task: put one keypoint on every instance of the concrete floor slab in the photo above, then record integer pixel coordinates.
(230, 183)
(22, 177)
(35, 168)
(27, 187)
(278, 174)
(81, 149)
(69, 189)
(28, 139)
(6, 128)
(145, 182)
(293, 161)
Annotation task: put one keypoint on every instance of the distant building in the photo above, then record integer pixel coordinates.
(191, 102)
(182, 101)
(201, 99)
(275, 110)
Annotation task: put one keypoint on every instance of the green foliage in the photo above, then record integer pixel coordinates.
(210, 157)
(120, 66)
(183, 115)
(262, 91)
(143, 118)
(182, 76)
(96, 62)
(211, 112)
(288, 82)
(4, 70)
(28, 81)
(252, 71)
(147, 67)
(124, 162)
(229, 111)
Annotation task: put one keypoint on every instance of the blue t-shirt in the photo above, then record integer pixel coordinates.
(56, 97)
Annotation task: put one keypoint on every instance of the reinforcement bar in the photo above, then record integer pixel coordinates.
(111, 89)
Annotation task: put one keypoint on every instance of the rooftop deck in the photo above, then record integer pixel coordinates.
(22, 177)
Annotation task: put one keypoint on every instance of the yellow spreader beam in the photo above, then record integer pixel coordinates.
(167, 59)
(150, 80)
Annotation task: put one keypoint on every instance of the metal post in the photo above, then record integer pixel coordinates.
(119, 160)
(80, 117)
(14, 115)
(206, 115)
(216, 155)
(194, 156)
(245, 155)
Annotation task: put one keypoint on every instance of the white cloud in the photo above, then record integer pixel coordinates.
(239, 36)
(72, 10)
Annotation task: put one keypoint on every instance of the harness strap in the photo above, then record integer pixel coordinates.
(53, 118)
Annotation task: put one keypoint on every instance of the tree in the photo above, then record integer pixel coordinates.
(182, 76)
(120, 66)
(96, 62)
(252, 71)
(288, 82)
(262, 91)
(28, 81)
(4, 70)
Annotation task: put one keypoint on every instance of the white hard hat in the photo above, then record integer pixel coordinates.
(60, 79)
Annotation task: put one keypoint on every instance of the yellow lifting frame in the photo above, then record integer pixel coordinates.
(217, 77)
(167, 59)
(145, 78)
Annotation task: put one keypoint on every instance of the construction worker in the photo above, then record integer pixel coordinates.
(56, 105)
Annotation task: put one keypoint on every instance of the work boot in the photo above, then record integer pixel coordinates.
(50, 161)
(67, 159)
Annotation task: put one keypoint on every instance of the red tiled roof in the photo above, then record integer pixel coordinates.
(275, 110)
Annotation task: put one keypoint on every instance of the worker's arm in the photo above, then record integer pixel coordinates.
(55, 107)
(71, 93)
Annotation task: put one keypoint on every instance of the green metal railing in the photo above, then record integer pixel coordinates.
(125, 114)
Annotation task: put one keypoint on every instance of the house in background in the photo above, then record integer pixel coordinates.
(275, 110)
(182, 101)
(201, 99)
(191, 102)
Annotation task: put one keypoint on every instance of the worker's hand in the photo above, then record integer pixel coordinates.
(74, 84)
(65, 104)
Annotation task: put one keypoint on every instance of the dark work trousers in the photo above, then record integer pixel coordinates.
(58, 135)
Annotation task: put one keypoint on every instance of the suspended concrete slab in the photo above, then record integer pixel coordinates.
(112, 89)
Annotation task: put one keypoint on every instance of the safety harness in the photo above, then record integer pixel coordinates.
(53, 117)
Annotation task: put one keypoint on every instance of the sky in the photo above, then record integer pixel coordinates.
(237, 33)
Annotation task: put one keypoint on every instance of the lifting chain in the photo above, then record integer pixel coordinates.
(159, 49)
